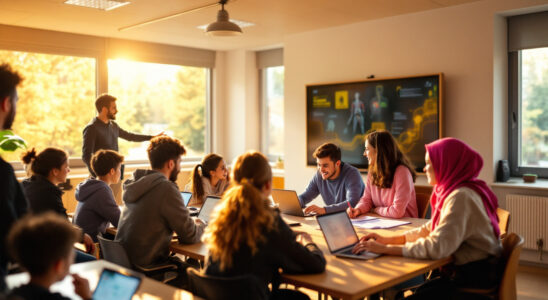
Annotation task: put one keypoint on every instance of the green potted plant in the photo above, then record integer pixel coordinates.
(10, 142)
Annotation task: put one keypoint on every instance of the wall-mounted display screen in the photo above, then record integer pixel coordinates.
(343, 113)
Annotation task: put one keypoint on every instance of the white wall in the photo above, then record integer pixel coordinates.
(462, 41)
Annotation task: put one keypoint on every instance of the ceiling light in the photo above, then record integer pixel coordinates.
(99, 4)
(242, 24)
(223, 26)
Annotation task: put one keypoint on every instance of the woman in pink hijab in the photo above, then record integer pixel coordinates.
(464, 224)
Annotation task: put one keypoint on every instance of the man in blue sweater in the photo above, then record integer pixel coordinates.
(339, 184)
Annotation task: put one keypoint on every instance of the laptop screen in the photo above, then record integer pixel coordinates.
(207, 208)
(116, 286)
(186, 197)
(337, 230)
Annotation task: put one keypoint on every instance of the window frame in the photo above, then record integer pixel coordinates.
(515, 119)
(264, 118)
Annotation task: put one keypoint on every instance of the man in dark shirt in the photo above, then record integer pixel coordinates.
(102, 132)
(12, 200)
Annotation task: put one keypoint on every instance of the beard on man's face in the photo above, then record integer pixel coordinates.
(173, 175)
(111, 116)
(8, 122)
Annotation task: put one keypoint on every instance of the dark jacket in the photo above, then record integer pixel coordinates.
(96, 207)
(43, 195)
(280, 250)
(32, 291)
(13, 206)
(153, 210)
(98, 136)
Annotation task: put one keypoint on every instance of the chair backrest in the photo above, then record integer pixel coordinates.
(504, 221)
(220, 288)
(114, 252)
(423, 202)
(511, 249)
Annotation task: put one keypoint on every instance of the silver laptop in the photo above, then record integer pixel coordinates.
(186, 199)
(288, 202)
(341, 236)
(114, 285)
(207, 208)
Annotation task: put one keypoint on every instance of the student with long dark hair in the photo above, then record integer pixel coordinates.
(209, 178)
(48, 169)
(390, 191)
(464, 224)
(247, 236)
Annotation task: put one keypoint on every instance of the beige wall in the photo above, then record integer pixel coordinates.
(466, 43)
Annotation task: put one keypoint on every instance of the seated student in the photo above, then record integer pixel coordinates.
(464, 224)
(389, 191)
(96, 205)
(340, 184)
(153, 208)
(42, 244)
(213, 180)
(247, 236)
(48, 169)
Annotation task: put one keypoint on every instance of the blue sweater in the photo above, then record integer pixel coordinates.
(336, 194)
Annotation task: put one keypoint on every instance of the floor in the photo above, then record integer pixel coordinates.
(532, 283)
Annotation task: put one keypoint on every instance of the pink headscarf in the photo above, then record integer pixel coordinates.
(457, 165)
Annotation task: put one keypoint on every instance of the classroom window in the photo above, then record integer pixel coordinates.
(531, 119)
(273, 112)
(55, 100)
(154, 98)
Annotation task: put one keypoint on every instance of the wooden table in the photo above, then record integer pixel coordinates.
(149, 289)
(345, 278)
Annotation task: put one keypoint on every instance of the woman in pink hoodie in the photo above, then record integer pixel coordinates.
(390, 189)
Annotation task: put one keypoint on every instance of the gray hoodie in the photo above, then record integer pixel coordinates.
(96, 207)
(153, 210)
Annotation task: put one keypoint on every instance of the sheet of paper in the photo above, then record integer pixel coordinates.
(380, 223)
(362, 219)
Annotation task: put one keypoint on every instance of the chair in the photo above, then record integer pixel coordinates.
(504, 221)
(221, 288)
(423, 203)
(114, 252)
(511, 249)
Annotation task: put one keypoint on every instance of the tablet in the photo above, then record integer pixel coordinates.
(114, 285)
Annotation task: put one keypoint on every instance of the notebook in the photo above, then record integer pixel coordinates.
(288, 202)
(114, 285)
(341, 236)
(207, 208)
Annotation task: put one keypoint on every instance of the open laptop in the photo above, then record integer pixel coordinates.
(341, 236)
(114, 285)
(186, 199)
(288, 202)
(207, 208)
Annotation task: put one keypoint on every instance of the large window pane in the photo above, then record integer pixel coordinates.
(157, 97)
(56, 100)
(534, 108)
(273, 91)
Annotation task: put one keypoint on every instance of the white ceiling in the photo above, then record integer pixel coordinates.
(273, 19)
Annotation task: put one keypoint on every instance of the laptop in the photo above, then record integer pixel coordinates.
(288, 202)
(207, 208)
(114, 285)
(186, 199)
(341, 236)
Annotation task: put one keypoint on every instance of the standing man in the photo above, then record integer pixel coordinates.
(340, 184)
(12, 200)
(102, 132)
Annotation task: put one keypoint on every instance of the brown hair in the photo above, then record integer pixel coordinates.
(37, 242)
(328, 150)
(244, 214)
(209, 163)
(105, 160)
(163, 149)
(9, 79)
(43, 162)
(104, 101)
(389, 157)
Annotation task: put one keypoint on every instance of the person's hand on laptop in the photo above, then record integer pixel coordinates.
(376, 243)
(304, 238)
(81, 287)
(314, 209)
(353, 212)
(383, 239)
(199, 221)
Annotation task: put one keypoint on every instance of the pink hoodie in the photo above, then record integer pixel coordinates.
(397, 201)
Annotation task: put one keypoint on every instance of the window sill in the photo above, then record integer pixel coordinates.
(517, 183)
